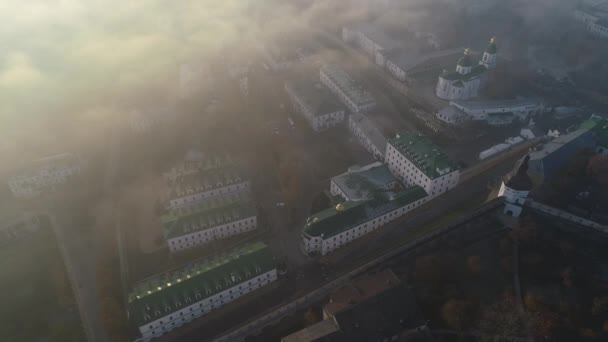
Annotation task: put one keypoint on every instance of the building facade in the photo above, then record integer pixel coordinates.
(167, 301)
(44, 175)
(518, 109)
(316, 104)
(333, 228)
(185, 228)
(348, 91)
(367, 134)
(189, 189)
(415, 160)
(361, 182)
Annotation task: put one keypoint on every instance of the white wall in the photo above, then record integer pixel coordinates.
(203, 236)
(198, 308)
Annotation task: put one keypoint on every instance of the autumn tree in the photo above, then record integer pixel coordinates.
(474, 264)
(457, 313)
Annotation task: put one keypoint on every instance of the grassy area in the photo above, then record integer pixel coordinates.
(37, 299)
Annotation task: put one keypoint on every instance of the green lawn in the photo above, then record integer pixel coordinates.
(37, 302)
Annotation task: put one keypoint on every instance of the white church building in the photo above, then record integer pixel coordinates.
(464, 83)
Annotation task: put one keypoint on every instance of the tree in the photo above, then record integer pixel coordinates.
(428, 268)
(457, 313)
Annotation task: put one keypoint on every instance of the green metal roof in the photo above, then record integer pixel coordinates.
(206, 179)
(206, 216)
(491, 48)
(330, 222)
(465, 61)
(163, 294)
(420, 150)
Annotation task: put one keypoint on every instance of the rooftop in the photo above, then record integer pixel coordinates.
(162, 294)
(359, 183)
(204, 180)
(558, 143)
(599, 125)
(360, 289)
(409, 60)
(370, 130)
(480, 105)
(315, 96)
(351, 88)
(421, 151)
(387, 39)
(475, 72)
(333, 221)
(48, 164)
(379, 318)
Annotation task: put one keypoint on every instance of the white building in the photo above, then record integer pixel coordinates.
(416, 160)
(315, 103)
(196, 181)
(596, 24)
(44, 175)
(364, 182)
(400, 52)
(464, 83)
(368, 135)
(452, 115)
(220, 218)
(516, 109)
(333, 228)
(165, 302)
(142, 121)
(516, 189)
(15, 224)
(350, 92)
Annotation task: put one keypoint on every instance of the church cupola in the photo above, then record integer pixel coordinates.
(489, 55)
(464, 63)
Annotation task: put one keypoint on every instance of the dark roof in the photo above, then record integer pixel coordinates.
(521, 181)
(465, 61)
(383, 316)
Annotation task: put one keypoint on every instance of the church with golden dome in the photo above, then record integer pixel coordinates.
(464, 83)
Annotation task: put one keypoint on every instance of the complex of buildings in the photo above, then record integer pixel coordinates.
(350, 92)
(214, 219)
(416, 160)
(464, 83)
(333, 228)
(402, 53)
(164, 302)
(44, 175)
(315, 103)
(368, 135)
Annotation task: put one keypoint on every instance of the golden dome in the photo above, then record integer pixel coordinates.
(493, 40)
(339, 207)
(467, 51)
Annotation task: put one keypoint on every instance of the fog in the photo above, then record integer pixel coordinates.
(68, 66)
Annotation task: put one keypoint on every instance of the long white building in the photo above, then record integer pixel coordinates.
(596, 23)
(167, 301)
(351, 93)
(496, 113)
(192, 188)
(44, 175)
(333, 228)
(416, 160)
(315, 103)
(220, 218)
(368, 135)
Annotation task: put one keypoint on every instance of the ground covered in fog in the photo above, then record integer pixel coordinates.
(37, 300)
